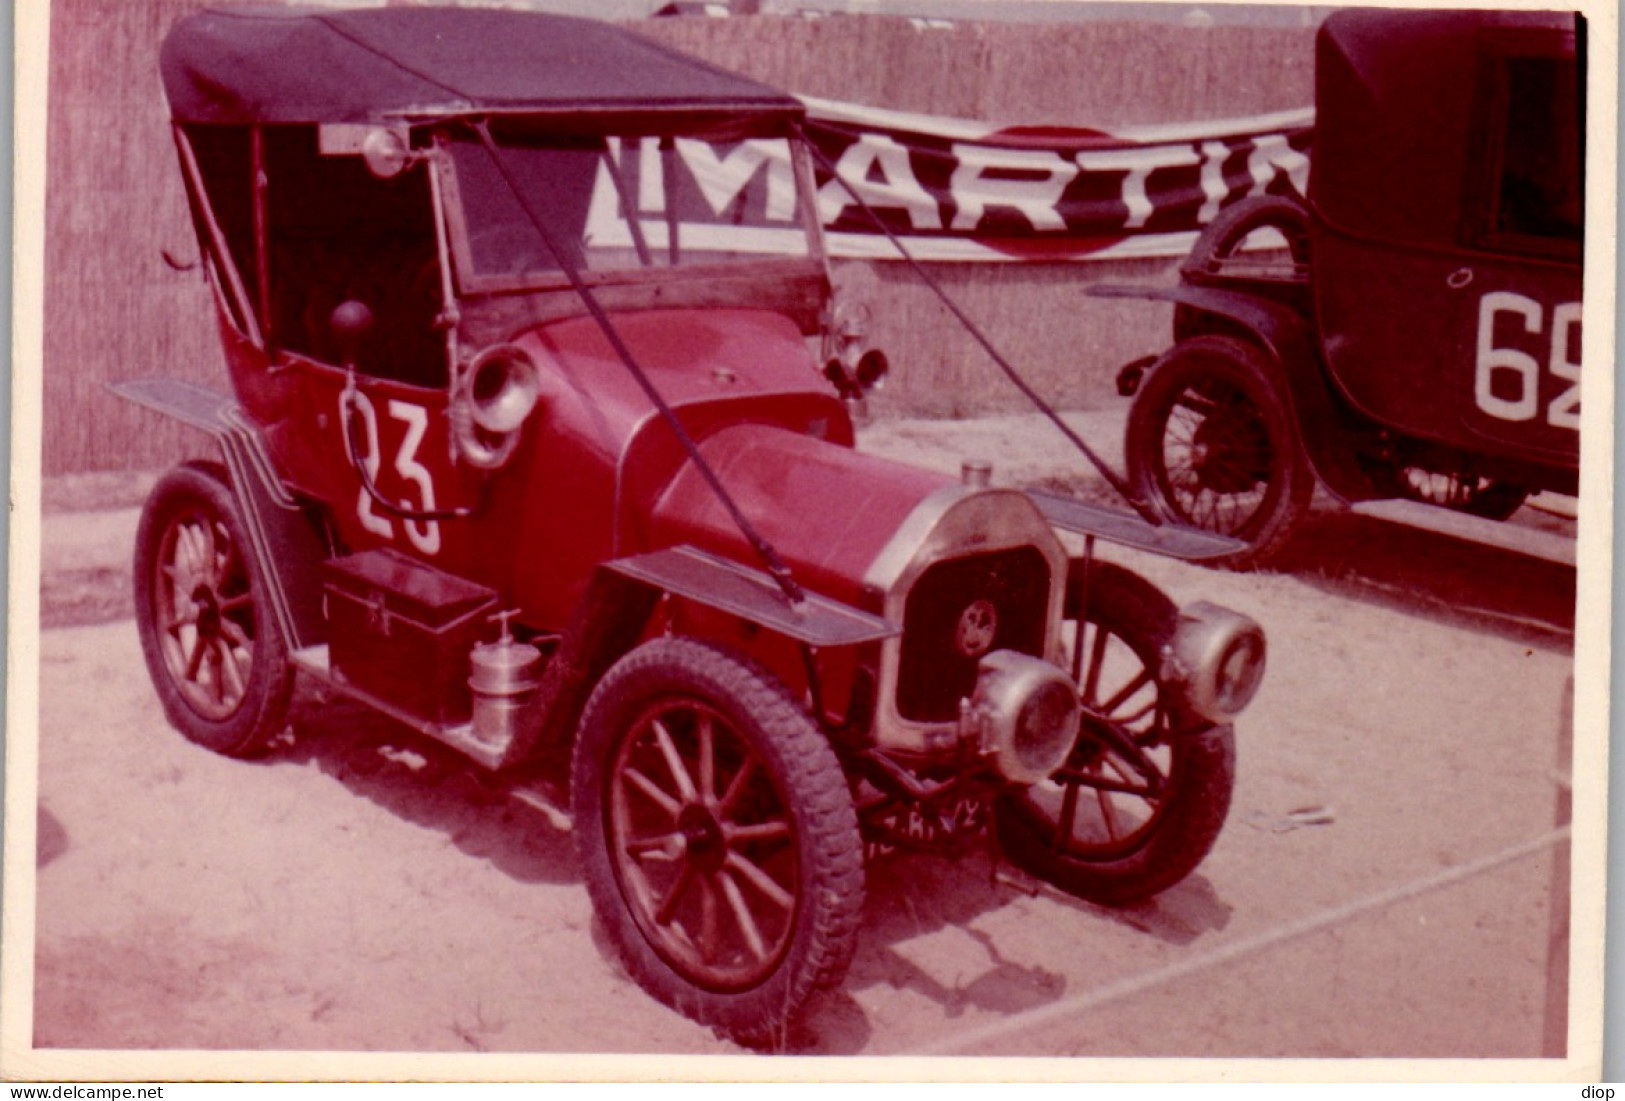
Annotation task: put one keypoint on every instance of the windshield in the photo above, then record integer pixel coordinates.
(695, 203)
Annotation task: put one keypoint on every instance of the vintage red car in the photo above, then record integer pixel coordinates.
(527, 447)
(1411, 328)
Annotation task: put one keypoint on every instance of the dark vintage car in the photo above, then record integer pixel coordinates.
(1411, 328)
(527, 447)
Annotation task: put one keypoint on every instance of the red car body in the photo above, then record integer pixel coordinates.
(527, 447)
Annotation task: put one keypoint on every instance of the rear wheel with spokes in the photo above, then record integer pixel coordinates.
(1210, 443)
(216, 659)
(1144, 793)
(718, 837)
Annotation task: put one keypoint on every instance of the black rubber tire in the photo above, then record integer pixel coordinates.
(796, 798)
(216, 657)
(1131, 622)
(1211, 444)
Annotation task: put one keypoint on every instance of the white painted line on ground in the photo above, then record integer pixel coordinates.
(975, 1040)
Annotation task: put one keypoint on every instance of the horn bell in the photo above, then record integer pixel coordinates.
(503, 388)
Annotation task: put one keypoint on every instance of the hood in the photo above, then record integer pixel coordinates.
(692, 358)
(828, 510)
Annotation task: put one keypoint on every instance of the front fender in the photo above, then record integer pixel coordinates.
(1328, 429)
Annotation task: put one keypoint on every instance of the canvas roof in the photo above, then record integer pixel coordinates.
(373, 65)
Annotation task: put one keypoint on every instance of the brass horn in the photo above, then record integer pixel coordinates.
(498, 389)
(503, 388)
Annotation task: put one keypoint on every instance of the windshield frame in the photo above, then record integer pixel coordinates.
(471, 281)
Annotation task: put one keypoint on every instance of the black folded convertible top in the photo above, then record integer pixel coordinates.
(247, 66)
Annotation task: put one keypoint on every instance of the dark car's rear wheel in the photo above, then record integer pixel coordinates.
(1210, 443)
(718, 837)
(216, 659)
(1145, 791)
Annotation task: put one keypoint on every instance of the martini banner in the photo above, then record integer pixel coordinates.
(963, 191)
(952, 190)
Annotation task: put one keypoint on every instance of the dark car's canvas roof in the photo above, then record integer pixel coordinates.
(279, 66)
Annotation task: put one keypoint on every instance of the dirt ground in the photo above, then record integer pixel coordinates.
(1389, 883)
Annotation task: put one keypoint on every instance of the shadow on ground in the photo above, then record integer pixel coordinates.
(909, 895)
(913, 896)
(425, 783)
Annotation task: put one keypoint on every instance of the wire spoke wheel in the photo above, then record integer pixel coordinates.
(1210, 444)
(1217, 457)
(1141, 798)
(218, 663)
(717, 836)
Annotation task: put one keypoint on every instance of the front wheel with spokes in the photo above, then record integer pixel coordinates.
(1145, 791)
(717, 835)
(217, 660)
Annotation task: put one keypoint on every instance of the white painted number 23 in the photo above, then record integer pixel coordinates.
(422, 534)
(1507, 381)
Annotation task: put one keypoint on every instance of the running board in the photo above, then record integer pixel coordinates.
(317, 661)
(1545, 545)
(1129, 530)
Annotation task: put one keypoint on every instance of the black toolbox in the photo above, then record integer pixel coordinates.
(401, 631)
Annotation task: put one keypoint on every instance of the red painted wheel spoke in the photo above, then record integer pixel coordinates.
(1065, 821)
(743, 918)
(234, 634)
(216, 663)
(665, 846)
(1137, 714)
(668, 907)
(737, 788)
(652, 791)
(231, 679)
(710, 916)
(203, 552)
(182, 617)
(708, 761)
(759, 879)
(674, 762)
(1098, 782)
(1140, 681)
(1097, 660)
(1108, 814)
(194, 661)
(758, 831)
(704, 843)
